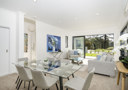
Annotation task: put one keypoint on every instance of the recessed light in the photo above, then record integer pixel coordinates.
(35, 0)
(97, 14)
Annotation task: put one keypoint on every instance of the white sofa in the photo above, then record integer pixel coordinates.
(105, 67)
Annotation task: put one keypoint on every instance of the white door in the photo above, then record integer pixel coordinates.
(4, 51)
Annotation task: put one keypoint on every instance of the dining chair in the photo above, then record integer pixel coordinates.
(24, 75)
(78, 83)
(42, 81)
(20, 61)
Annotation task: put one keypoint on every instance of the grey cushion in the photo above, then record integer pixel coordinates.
(103, 58)
(109, 58)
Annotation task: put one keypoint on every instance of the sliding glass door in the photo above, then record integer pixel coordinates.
(79, 44)
(93, 45)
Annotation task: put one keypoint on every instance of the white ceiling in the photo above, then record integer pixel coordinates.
(71, 14)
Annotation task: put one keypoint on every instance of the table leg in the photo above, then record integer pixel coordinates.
(123, 81)
(118, 78)
(61, 83)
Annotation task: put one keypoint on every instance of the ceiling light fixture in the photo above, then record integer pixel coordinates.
(35, 0)
(97, 14)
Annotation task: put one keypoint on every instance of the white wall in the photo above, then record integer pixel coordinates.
(114, 30)
(30, 29)
(20, 34)
(8, 19)
(42, 30)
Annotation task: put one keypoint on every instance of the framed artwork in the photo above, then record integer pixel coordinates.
(53, 43)
(25, 42)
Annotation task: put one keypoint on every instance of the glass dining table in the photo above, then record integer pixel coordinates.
(64, 71)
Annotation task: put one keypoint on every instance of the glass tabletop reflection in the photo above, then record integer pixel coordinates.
(65, 69)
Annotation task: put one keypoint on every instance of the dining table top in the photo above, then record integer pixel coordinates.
(65, 69)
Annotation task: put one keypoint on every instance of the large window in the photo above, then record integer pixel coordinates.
(97, 44)
(92, 45)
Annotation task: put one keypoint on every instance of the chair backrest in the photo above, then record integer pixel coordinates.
(22, 72)
(39, 79)
(88, 80)
(21, 60)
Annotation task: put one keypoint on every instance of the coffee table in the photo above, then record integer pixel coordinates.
(78, 60)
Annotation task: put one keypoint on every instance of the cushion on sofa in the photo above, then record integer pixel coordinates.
(109, 58)
(98, 57)
(103, 58)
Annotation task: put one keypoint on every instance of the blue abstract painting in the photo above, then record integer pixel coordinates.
(53, 43)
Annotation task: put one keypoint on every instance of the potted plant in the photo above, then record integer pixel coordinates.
(125, 61)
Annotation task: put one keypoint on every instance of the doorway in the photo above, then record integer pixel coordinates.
(4, 51)
(30, 39)
(79, 44)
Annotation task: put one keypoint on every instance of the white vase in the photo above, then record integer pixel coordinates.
(53, 48)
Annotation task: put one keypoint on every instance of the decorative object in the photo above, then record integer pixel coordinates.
(25, 42)
(53, 43)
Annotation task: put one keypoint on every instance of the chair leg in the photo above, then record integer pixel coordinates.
(24, 84)
(17, 79)
(35, 88)
(45, 74)
(57, 87)
(73, 75)
(29, 85)
(68, 78)
(33, 83)
(19, 85)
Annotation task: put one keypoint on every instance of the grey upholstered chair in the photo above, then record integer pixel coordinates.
(42, 81)
(79, 83)
(24, 75)
(21, 61)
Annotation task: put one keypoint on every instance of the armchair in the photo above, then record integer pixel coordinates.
(73, 54)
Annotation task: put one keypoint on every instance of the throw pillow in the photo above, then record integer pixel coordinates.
(103, 58)
(109, 58)
(75, 52)
(98, 57)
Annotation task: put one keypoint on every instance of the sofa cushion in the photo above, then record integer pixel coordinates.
(103, 58)
(109, 58)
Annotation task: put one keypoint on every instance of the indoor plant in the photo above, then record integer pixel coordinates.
(125, 61)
